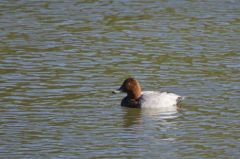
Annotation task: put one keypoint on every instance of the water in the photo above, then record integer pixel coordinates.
(60, 60)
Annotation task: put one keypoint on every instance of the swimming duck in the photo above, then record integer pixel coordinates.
(147, 99)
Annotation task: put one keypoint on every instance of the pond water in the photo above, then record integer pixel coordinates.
(60, 60)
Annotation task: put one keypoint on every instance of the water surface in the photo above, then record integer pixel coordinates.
(60, 60)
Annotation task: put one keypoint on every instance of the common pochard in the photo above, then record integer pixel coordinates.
(147, 99)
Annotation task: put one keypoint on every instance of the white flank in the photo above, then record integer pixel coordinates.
(151, 99)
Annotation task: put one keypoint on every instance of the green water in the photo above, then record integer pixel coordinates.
(60, 60)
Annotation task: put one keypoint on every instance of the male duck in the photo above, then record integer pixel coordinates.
(147, 99)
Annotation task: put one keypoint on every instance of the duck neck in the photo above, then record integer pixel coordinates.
(134, 94)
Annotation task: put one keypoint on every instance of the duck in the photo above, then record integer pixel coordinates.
(136, 98)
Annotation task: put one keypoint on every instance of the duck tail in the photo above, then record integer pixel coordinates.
(179, 100)
(183, 98)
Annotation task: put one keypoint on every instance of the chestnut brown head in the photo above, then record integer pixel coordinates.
(131, 87)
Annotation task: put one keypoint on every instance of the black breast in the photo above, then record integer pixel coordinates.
(132, 103)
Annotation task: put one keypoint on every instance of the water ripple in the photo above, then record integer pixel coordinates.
(59, 62)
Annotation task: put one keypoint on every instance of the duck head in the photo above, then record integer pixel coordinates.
(131, 87)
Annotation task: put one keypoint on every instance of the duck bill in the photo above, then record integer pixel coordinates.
(119, 90)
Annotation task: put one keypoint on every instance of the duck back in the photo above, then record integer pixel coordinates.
(151, 99)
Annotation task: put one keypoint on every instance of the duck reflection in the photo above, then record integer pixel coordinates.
(132, 116)
(135, 116)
